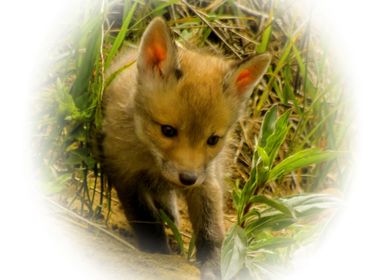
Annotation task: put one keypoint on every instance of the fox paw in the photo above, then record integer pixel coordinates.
(210, 271)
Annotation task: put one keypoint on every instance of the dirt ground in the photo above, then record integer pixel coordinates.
(117, 259)
(111, 241)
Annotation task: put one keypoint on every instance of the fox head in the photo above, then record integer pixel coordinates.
(187, 101)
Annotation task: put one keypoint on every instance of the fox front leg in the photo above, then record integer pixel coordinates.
(141, 203)
(206, 214)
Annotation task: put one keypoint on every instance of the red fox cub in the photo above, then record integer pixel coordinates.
(167, 118)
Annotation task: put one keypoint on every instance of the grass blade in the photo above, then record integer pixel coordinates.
(276, 204)
(121, 35)
(301, 159)
(177, 235)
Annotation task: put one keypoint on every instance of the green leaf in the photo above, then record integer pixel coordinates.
(268, 125)
(301, 159)
(233, 252)
(284, 59)
(177, 235)
(262, 167)
(89, 51)
(288, 89)
(310, 204)
(273, 132)
(265, 38)
(274, 222)
(276, 139)
(259, 272)
(79, 156)
(262, 154)
(274, 203)
(303, 205)
(236, 193)
(121, 35)
(57, 184)
(110, 79)
(266, 240)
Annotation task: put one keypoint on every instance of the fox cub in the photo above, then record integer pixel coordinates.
(167, 118)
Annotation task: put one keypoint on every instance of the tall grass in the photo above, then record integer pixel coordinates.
(289, 147)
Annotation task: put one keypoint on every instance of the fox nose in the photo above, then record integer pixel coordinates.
(187, 178)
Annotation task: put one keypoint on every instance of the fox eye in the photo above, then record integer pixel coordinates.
(168, 131)
(213, 140)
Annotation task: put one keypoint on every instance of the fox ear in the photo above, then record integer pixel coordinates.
(157, 53)
(245, 76)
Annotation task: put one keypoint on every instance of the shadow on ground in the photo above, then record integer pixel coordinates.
(118, 260)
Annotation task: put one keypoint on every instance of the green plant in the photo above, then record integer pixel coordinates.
(262, 233)
(294, 153)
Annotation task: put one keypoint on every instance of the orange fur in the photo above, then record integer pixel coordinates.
(200, 95)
